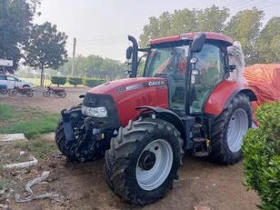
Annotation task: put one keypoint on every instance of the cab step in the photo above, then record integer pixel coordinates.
(199, 140)
(201, 154)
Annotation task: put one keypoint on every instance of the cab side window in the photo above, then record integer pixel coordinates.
(210, 66)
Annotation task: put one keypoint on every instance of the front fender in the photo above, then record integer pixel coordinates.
(167, 115)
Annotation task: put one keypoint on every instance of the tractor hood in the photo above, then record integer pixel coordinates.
(131, 93)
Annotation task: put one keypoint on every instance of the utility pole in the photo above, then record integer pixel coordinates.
(3, 37)
(73, 60)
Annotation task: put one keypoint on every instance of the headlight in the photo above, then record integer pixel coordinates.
(95, 111)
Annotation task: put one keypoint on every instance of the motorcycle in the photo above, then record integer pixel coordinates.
(54, 91)
(23, 91)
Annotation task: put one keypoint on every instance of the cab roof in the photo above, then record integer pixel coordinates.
(190, 36)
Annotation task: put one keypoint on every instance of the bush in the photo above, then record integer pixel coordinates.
(75, 81)
(92, 82)
(261, 149)
(58, 80)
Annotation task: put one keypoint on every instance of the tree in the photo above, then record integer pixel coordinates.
(46, 48)
(95, 66)
(15, 24)
(181, 21)
(268, 43)
(245, 27)
(212, 19)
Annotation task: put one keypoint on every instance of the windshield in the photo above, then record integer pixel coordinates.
(166, 59)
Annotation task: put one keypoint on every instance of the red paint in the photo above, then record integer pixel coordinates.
(209, 36)
(128, 100)
(220, 96)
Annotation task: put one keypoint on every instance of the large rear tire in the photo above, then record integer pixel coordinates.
(228, 130)
(144, 160)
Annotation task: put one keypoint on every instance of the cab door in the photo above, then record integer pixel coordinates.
(209, 68)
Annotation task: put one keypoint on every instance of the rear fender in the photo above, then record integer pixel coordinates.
(165, 114)
(223, 94)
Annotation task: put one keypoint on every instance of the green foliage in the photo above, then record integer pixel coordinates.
(75, 81)
(58, 80)
(28, 121)
(46, 48)
(96, 67)
(182, 21)
(268, 42)
(245, 27)
(15, 23)
(261, 150)
(92, 82)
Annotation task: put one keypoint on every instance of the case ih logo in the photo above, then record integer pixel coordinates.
(142, 85)
(156, 83)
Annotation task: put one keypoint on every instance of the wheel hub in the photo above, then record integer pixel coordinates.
(147, 160)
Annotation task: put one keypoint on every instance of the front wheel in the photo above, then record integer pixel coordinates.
(46, 93)
(144, 160)
(3, 91)
(30, 93)
(228, 130)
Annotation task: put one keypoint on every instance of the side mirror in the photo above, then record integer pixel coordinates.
(232, 67)
(81, 96)
(129, 51)
(198, 42)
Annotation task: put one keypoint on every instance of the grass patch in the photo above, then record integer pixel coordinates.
(6, 112)
(40, 148)
(29, 121)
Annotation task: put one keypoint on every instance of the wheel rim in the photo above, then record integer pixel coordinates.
(237, 128)
(154, 164)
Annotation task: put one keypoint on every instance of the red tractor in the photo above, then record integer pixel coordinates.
(183, 102)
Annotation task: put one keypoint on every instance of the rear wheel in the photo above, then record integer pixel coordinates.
(228, 130)
(144, 160)
(12, 92)
(46, 93)
(30, 93)
(62, 94)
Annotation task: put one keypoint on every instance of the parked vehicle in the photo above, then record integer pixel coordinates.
(183, 102)
(54, 91)
(3, 89)
(10, 82)
(28, 91)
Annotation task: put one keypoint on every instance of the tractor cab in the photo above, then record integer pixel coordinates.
(193, 64)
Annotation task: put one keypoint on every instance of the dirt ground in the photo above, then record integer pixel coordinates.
(201, 185)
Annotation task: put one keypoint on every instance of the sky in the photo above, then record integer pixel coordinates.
(101, 26)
